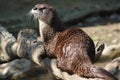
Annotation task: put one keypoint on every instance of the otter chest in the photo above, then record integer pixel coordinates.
(50, 47)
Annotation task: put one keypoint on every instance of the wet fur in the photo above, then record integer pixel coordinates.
(75, 53)
(73, 48)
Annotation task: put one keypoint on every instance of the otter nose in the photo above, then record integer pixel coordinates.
(39, 9)
(40, 43)
(35, 8)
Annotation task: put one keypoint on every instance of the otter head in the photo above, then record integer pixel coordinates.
(47, 14)
(37, 52)
(43, 12)
(29, 46)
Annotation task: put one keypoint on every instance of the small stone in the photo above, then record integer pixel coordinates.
(115, 41)
(15, 68)
(109, 49)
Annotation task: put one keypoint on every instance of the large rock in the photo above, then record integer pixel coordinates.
(111, 52)
(14, 68)
(114, 67)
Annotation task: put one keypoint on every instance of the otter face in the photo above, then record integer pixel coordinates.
(43, 12)
(29, 46)
(37, 52)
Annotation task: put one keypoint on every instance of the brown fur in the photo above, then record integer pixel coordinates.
(73, 48)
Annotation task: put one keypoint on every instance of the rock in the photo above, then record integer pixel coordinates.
(109, 49)
(115, 54)
(115, 41)
(14, 68)
(6, 40)
(114, 67)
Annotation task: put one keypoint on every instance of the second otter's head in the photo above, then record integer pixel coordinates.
(28, 46)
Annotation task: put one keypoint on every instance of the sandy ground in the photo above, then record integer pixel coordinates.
(108, 34)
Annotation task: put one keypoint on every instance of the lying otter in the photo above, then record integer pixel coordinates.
(26, 46)
(73, 48)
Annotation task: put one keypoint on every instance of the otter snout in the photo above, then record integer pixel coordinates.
(36, 8)
(37, 52)
(42, 12)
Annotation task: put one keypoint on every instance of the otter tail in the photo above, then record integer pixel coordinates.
(90, 71)
(103, 74)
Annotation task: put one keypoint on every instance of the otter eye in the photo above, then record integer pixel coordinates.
(40, 43)
(51, 9)
(40, 9)
(34, 41)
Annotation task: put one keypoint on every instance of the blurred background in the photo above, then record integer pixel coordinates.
(99, 18)
(82, 13)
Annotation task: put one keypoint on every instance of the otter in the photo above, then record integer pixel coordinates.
(25, 46)
(28, 46)
(73, 48)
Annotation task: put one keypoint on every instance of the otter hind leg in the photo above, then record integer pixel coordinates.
(90, 71)
(63, 67)
(97, 72)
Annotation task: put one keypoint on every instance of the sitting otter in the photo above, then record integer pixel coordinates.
(73, 48)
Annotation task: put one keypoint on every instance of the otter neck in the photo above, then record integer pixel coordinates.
(46, 31)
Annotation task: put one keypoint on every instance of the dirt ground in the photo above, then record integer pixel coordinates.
(108, 34)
